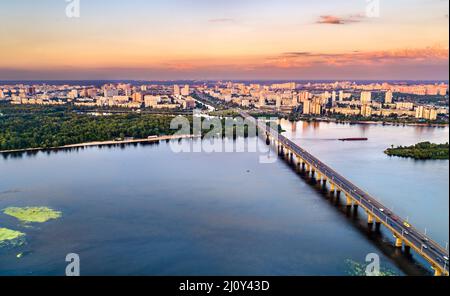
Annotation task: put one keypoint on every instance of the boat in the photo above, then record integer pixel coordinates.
(353, 139)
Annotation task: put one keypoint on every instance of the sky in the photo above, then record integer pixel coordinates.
(225, 39)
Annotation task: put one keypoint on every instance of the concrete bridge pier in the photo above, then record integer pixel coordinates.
(338, 198)
(437, 271)
(378, 224)
(308, 170)
(332, 188)
(407, 249)
(398, 242)
(349, 201)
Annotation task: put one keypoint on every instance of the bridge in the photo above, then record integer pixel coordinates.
(405, 234)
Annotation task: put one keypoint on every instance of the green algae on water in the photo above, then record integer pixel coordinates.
(358, 269)
(33, 214)
(10, 237)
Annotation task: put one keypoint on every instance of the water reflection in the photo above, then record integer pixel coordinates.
(223, 213)
(404, 259)
(418, 189)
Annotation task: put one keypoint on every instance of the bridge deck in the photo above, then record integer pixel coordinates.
(434, 253)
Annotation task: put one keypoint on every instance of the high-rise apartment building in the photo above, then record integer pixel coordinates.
(366, 110)
(366, 97)
(185, 90)
(176, 90)
(306, 107)
(388, 97)
(341, 96)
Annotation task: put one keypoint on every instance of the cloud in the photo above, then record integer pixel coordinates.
(297, 54)
(336, 20)
(430, 55)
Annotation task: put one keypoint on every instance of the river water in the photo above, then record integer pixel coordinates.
(145, 210)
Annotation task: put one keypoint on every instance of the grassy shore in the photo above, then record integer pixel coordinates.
(422, 151)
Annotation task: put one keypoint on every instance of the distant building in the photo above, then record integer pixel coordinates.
(137, 97)
(341, 96)
(404, 105)
(278, 102)
(307, 107)
(110, 92)
(388, 99)
(176, 90)
(366, 110)
(316, 108)
(185, 91)
(366, 97)
(189, 103)
(304, 96)
(151, 101)
(92, 92)
(426, 113)
(289, 85)
(121, 100)
(262, 100)
(73, 94)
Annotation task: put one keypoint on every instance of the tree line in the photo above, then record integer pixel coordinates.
(425, 150)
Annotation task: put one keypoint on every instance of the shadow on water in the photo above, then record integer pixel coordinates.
(403, 259)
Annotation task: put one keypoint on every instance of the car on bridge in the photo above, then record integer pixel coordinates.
(407, 224)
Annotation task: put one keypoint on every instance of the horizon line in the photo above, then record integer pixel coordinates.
(219, 80)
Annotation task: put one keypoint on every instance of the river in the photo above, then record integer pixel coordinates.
(145, 210)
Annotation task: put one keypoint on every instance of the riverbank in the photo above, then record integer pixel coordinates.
(103, 143)
(385, 123)
(421, 151)
(348, 120)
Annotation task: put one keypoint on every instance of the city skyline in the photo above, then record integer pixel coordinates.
(147, 40)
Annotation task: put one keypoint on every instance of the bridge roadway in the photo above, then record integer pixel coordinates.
(404, 233)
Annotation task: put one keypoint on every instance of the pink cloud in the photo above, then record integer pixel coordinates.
(336, 20)
(418, 55)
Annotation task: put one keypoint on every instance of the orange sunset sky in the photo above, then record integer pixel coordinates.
(216, 39)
